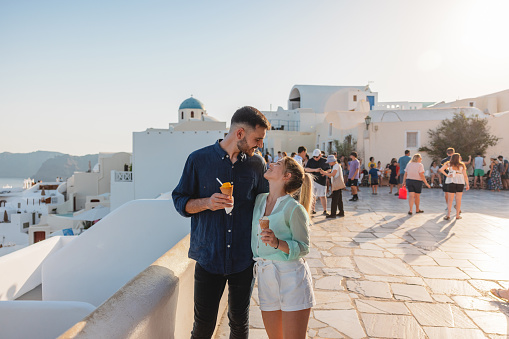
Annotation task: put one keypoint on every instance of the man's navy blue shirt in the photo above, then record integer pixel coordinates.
(220, 242)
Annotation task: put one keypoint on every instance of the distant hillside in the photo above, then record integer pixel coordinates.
(23, 165)
(64, 166)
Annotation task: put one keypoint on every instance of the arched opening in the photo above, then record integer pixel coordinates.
(294, 99)
(192, 114)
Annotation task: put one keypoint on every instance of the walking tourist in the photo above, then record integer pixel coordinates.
(278, 156)
(393, 179)
(373, 179)
(314, 165)
(371, 161)
(268, 157)
(479, 164)
(413, 180)
(496, 180)
(402, 161)
(449, 152)
(456, 179)
(338, 184)
(353, 175)
(285, 287)
(218, 240)
(504, 171)
(433, 169)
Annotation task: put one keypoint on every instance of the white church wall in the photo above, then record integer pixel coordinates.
(159, 157)
(287, 141)
(110, 253)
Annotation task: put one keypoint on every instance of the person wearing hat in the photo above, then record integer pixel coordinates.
(336, 175)
(314, 166)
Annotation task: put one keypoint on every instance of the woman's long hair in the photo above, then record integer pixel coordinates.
(299, 180)
(455, 161)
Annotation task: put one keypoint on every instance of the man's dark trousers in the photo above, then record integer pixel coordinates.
(208, 290)
(337, 203)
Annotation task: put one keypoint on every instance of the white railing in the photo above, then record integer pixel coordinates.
(123, 176)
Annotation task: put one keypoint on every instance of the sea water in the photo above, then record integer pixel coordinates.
(14, 182)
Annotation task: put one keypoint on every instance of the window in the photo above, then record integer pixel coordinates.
(354, 98)
(182, 115)
(471, 104)
(192, 114)
(412, 139)
(330, 129)
(318, 140)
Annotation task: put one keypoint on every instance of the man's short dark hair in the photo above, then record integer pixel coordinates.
(301, 149)
(354, 154)
(371, 159)
(407, 152)
(500, 157)
(450, 150)
(251, 117)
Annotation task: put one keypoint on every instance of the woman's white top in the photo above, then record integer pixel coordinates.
(435, 169)
(455, 176)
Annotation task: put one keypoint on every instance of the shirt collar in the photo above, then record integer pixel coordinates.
(224, 155)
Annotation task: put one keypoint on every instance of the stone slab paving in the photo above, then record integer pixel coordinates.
(380, 273)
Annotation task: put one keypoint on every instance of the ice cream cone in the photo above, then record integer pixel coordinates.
(227, 190)
(264, 224)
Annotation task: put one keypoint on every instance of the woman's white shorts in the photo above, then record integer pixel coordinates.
(284, 285)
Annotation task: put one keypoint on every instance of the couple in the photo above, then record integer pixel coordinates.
(225, 244)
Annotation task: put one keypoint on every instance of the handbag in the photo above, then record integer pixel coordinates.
(338, 183)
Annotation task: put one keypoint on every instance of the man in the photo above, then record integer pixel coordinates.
(221, 242)
(269, 158)
(313, 166)
(504, 175)
(353, 175)
(402, 161)
(301, 155)
(479, 164)
(279, 156)
(450, 151)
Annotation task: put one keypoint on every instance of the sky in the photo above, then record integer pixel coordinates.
(79, 77)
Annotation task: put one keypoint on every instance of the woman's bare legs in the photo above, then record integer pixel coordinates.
(286, 325)
(450, 198)
(295, 324)
(273, 322)
(417, 202)
(411, 201)
(458, 203)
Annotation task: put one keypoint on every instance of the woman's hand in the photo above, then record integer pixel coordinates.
(268, 237)
(467, 188)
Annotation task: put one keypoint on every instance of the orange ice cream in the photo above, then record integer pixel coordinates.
(227, 189)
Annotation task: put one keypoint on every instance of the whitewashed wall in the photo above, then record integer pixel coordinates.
(110, 253)
(159, 158)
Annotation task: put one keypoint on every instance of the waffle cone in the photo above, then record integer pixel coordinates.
(264, 224)
(227, 191)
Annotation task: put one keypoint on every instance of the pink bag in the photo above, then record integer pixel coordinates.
(402, 193)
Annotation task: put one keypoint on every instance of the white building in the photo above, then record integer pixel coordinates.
(302, 124)
(159, 154)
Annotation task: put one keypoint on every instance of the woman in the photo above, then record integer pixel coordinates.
(413, 180)
(393, 180)
(456, 179)
(285, 287)
(336, 175)
(496, 179)
(433, 169)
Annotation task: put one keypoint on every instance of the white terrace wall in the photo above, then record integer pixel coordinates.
(157, 303)
(113, 251)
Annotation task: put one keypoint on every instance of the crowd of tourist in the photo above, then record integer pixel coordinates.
(451, 174)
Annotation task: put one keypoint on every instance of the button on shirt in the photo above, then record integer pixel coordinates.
(220, 242)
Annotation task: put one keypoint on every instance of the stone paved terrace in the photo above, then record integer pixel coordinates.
(380, 273)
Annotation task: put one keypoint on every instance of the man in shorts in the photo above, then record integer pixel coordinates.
(313, 166)
(504, 166)
(450, 151)
(353, 175)
(479, 164)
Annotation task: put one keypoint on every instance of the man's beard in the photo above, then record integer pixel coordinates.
(243, 146)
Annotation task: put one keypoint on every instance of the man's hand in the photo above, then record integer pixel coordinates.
(219, 201)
